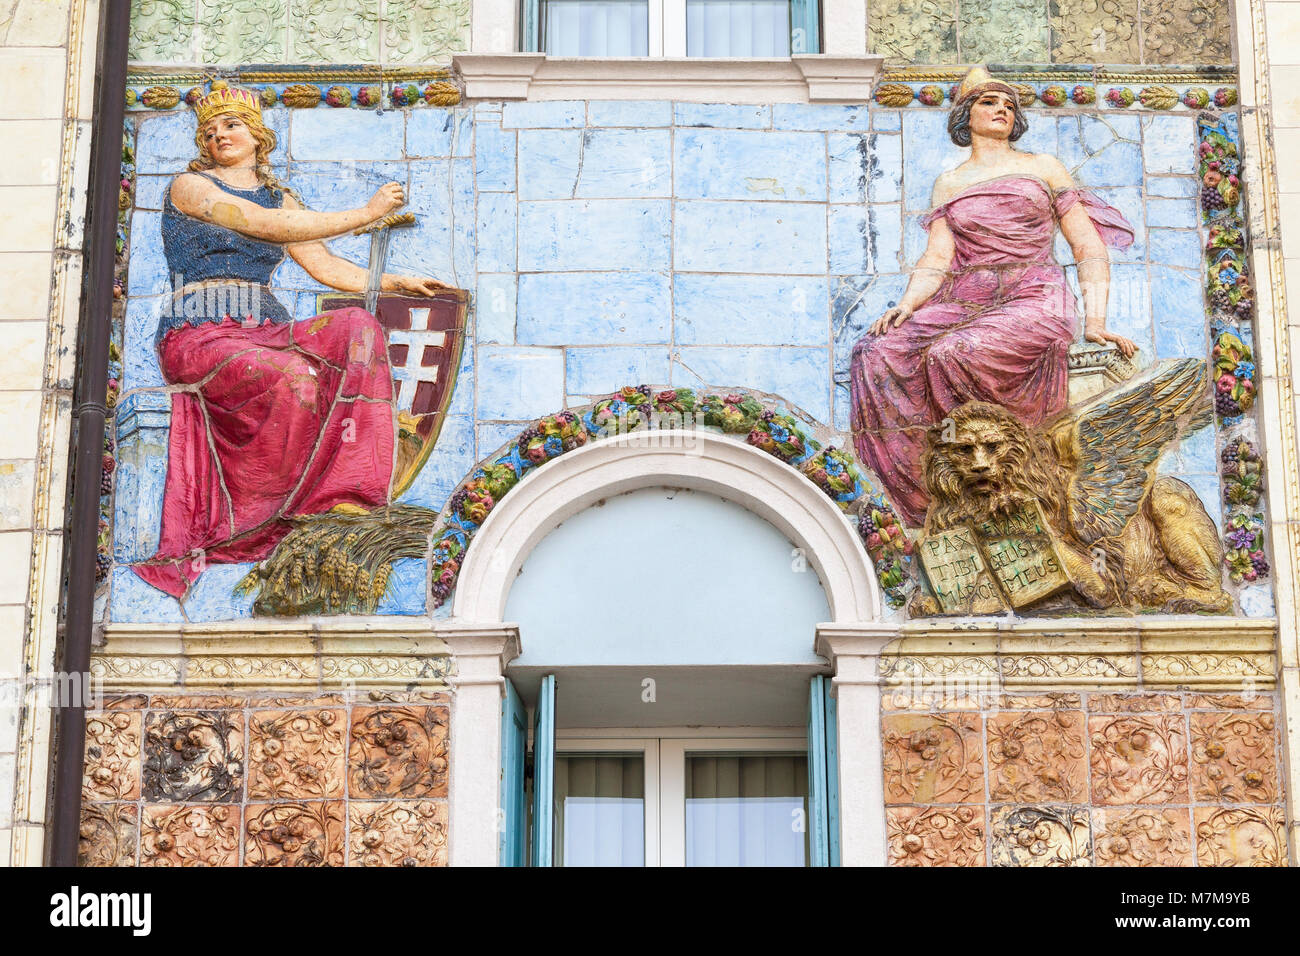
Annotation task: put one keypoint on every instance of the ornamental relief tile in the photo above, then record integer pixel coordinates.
(294, 834)
(1138, 759)
(1094, 31)
(1142, 837)
(334, 31)
(398, 834)
(1234, 758)
(109, 833)
(1240, 836)
(1230, 702)
(991, 28)
(1186, 31)
(935, 758)
(161, 31)
(242, 31)
(922, 31)
(1133, 703)
(1037, 758)
(1046, 667)
(195, 756)
(1173, 668)
(112, 766)
(297, 755)
(190, 836)
(420, 31)
(935, 836)
(398, 752)
(1041, 836)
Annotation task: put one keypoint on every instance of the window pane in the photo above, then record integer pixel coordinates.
(737, 27)
(746, 809)
(599, 810)
(595, 27)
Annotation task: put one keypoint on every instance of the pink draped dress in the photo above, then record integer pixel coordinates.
(998, 330)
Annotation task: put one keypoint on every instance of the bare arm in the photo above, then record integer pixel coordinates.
(201, 198)
(927, 275)
(1093, 262)
(338, 273)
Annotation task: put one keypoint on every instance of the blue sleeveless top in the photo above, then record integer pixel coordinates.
(198, 251)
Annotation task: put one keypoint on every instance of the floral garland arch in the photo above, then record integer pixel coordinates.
(767, 427)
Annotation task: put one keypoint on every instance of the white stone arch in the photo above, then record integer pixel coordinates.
(699, 460)
(483, 643)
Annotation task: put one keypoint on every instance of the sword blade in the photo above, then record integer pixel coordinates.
(375, 274)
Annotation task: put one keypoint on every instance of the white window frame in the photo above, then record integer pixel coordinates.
(665, 768)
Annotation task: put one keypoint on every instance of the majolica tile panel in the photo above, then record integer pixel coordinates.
(1117, 783)
(693, 230)
(295, 803)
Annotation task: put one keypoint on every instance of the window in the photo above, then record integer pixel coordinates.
(705, 28)
(626, 798)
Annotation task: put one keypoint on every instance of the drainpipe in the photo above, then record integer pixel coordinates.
(88, 415)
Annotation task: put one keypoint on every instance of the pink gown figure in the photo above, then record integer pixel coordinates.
(998, 329)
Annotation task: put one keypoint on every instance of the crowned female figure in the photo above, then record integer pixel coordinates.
(271, 418)
(987, 314)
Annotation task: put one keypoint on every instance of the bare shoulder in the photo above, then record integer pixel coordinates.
(946, 184)
(288, 201)
(190, 186)
(1052, 170)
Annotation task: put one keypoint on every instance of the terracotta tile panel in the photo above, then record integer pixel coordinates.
(197, 702)
(1142, 836)
(1234, 757)
(1037, 757)
(398, 834)
(935, 836)
(398, 752)
(194, 756)
(407, 697)
(294, 834)
(1240, 836)
(1133, 703)
(1138, 759)
(125, 702)
(933, 758)
(313, 700)
(1040, 702)
(1230, 702)
(297, 754)
(932, 702)
(112, 767)
(190, 836)
(1041, 836)
(109, 833)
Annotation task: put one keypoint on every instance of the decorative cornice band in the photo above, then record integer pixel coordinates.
(812, 78)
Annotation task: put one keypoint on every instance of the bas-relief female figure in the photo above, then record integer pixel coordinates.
(271, 418)
(987, 314)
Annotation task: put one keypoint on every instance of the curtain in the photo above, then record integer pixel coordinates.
(738, 28)
(596, 27)
(600, 810)
(741, 810)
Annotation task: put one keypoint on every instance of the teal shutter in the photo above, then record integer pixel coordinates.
(544, 774)
(529, 25)
(823, 776)
(805, 32)
(513, 822)
(832, 773)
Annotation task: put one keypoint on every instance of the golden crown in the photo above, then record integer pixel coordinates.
(242, 103)
(978, 80)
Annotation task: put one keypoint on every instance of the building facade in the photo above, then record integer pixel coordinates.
(653, 433)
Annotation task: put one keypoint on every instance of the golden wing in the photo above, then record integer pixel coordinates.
(1114, 441)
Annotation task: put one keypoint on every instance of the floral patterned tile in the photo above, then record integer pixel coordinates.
(294, 834)
(193, 756)
(1240, 836)
(933, 758)
(1138, 759)
(1037, 757)
(1133, 703)
(197, 702)
(1041, 836)
(398, 834)
(398, 752)
(1234, 757)
(112, 767)
(297, 754)
(190, 836)
(935, 836)
(1040, 702)
(109, 833)
(1231, 702)
(1142, 836)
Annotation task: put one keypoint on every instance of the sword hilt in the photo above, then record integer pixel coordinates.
(392, 220)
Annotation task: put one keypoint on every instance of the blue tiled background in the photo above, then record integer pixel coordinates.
(612, 243)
